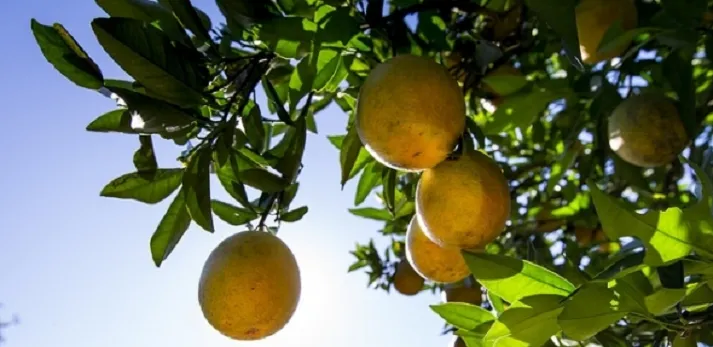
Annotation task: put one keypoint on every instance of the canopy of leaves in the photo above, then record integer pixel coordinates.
(597, 250)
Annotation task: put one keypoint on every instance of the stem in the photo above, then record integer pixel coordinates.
(263, 216)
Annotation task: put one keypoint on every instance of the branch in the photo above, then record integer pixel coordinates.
(464, 5)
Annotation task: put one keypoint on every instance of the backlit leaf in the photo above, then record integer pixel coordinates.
(531, 321)
(196, 188)
(513, 279)
(231, 214)
(170, 230)
(150, 188)
(172, 73)
(463, 315)
(64, 53)
(145, 157)
(668, 235)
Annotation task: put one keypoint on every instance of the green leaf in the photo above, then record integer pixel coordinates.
(64, 53)
(170, 230)
(596, 305)
(388, 177)
(302, 80)
(196, 187)
(254, 129)
(370, 178)
(531, 321)
(263, 180)
(684, 341)
(328, 63)
(686, 12)
(668, 235)
(348, 153)
(496, 302)
(147, 187)
(231, 214)
(245, 13)
(678, 70)
(191, 18)
(520, 110)
(147, 11)
(288, 37)
(616, 37)
(663, 300)
(463, 315)
(227, 178)
(145, 157)
(559, 15)
(175, 74)
(276, 101)
(291, 162)
(113, 121)
(337, 28)
(505, 84)
(148, 115)
(371, 213)
(294, 215)
(561, 166)
(513, 279)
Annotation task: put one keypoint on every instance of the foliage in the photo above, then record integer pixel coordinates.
(648, 282)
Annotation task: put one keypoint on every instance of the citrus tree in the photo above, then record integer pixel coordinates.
(543, 164)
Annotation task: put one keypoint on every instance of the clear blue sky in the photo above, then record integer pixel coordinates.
(76, 267)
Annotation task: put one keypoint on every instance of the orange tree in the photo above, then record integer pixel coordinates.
(597, 112)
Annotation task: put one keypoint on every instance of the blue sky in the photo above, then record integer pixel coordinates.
(76, 267)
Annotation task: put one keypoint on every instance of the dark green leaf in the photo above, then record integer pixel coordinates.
(64, 53)
(291, 162)
(147, 11)
(145, 157)
(263, 180)
(191, 18)
(671, 276)
(388, 179)
(175, 74)
(559, 15)
(513, 279)
(294, 215)
(151, 116)
(463, 315)
(227, 178)
(254, 129)
(371, 213)
(678, 70)
(232, 215)
(288, 195)
(146, 187)
(276, 101)
(531, 321)
(113, 121)
(245, 13)
(196, 188)
(170, 230)
(686, 12)
(349, 152)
